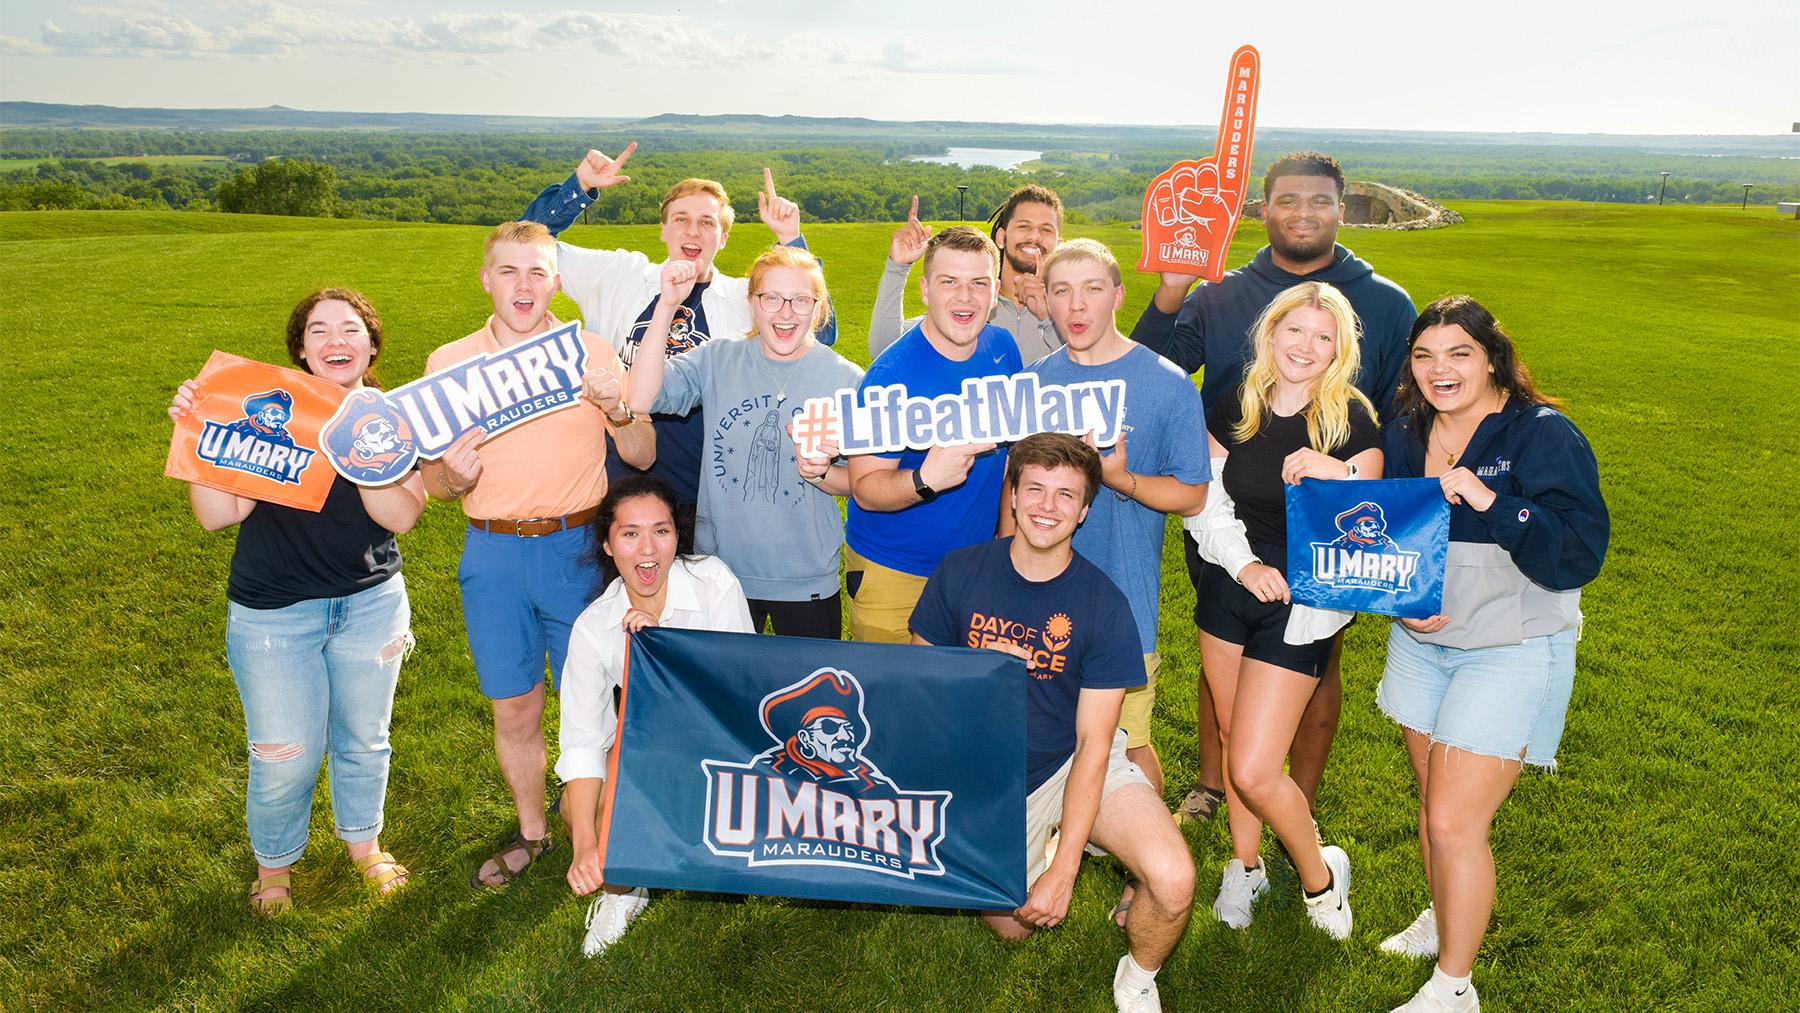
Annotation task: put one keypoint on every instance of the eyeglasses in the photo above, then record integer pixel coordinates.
(772, 303)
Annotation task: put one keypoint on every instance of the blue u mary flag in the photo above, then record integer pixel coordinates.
(820, 769)
(1368, 546)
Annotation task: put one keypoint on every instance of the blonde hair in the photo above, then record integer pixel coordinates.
(1328, 409)
(530, 233)
(712, 188)
(1082, 249)
(799, 260)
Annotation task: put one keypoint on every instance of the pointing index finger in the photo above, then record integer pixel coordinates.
(912, 217)
(1237, 123)
(769, 183)
(619, 163)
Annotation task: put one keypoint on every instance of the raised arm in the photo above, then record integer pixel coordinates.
(1170, 325)
(649, 365)
(782, 216)
(888, 320)
(560, 205)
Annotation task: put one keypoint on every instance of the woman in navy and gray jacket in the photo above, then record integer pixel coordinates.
(1483, 689)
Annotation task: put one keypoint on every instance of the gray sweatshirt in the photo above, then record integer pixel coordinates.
(779, 534)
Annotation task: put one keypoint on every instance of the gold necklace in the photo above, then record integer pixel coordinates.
(1449, 458)
(779, 381)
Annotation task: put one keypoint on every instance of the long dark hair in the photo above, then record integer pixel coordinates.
(619, 492)
(1510, 374)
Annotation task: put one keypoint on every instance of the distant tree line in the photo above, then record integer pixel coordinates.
(487, 178)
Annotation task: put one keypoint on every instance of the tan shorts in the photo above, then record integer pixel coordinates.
(1134, 716)
(1044, 807)
(881, 600)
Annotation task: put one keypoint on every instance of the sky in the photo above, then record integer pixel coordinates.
(1567, 67)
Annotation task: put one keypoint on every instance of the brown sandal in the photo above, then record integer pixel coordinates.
(389, 880)
(269, 907)
(517, 842)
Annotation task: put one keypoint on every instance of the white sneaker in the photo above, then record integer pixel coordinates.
(1420, 939)
(1238, 889)
(1330, 911)
(608, 917)
(1427, 1000)
(1134, 1000)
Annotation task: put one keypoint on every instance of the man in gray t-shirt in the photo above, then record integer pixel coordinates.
(1026, 228)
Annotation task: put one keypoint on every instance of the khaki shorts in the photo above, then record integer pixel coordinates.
(1044, 807)
(881, 600)
(1134, 716)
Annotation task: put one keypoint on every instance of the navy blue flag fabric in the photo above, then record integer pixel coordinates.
(1368, 545)
(820, 769)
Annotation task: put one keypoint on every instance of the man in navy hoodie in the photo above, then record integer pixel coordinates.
(1303, 205)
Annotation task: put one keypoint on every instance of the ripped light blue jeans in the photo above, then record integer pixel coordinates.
(317, 679)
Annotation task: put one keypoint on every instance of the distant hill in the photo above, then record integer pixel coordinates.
(278, 117)
(925, 134)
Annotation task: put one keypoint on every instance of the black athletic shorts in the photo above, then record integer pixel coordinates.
(1227, 610)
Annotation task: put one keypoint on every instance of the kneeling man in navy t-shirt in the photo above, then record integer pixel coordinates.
(1033, 596)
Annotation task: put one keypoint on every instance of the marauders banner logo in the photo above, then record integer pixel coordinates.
(376, 437)
(813, 798)
(1191, 210)
(254, 431)
(989, 409)
(820, 769)
(1369, 546)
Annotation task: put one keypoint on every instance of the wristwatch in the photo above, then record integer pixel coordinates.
(926, 493)
(630, 417)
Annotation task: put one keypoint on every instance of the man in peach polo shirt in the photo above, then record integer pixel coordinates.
(529, 493)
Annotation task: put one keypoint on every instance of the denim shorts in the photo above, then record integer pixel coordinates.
(1508, 701)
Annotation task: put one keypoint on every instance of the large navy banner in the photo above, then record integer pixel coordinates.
(820, 769)
(1368, 546)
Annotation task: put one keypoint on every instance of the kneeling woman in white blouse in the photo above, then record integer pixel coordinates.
(651, 580)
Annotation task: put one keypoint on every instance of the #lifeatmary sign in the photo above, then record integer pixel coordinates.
(1191, 210)
(988, 409)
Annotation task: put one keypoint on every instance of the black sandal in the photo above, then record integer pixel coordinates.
(517, 842)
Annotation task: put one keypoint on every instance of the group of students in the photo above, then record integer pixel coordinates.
(704, 514)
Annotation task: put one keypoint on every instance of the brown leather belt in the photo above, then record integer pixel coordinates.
(534, 527)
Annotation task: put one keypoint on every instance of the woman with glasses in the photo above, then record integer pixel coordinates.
(768, 511)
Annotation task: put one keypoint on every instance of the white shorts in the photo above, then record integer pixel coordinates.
(1044, 807)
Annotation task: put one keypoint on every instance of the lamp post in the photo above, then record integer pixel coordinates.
(962, 188)
(1746, 202)
(1665, 189)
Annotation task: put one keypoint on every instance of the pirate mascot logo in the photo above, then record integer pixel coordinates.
(813, 798)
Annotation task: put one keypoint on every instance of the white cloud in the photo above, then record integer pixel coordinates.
(275, 30)
(16, 46)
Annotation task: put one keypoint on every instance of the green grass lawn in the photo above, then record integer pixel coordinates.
(1656, 870)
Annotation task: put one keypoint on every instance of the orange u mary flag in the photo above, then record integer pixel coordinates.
(254, 431)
